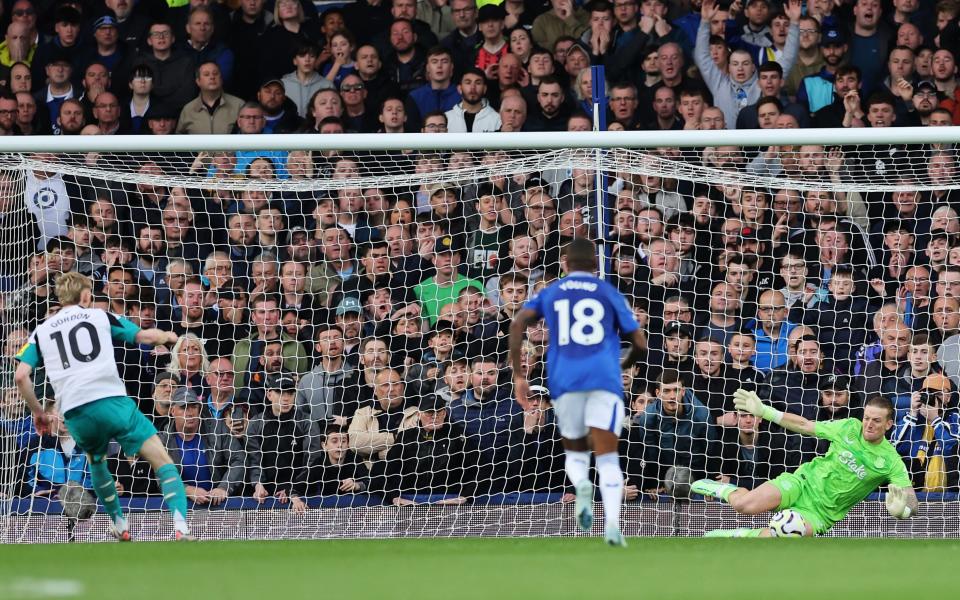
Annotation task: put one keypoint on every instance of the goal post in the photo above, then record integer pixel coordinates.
(343, 303)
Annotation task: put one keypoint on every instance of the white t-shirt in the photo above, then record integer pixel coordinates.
(76, 347)
(47, 200)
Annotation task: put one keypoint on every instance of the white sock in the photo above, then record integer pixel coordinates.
(180, 523)
(577, 466)
(611, 487)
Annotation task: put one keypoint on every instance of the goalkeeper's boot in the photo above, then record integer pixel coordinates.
(184, 537)
(614, 537)
(584, 505)
(712, 489)
(740, 532)
(120, 530)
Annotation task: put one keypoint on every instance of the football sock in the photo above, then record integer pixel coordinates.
(174, 495)
(611, 487)
(577, 466)
(106, 489)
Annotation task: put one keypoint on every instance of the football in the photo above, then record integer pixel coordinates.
(676, 482)
(787, 523)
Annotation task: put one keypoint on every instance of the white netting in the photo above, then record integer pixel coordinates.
(338, 255)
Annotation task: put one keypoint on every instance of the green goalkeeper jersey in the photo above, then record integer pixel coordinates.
(851, 469)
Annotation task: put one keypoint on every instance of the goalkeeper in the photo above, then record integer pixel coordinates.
(823, 490)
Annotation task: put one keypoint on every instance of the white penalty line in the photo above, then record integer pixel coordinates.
(41, 588)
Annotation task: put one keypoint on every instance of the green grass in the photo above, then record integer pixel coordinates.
(488, 569)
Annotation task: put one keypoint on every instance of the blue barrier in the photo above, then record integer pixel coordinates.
(39, 505)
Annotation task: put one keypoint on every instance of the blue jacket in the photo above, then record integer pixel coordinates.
(816, 91)
(684, 441)
(492, 424)
(771, 353)
(49, 467)
(428, 100)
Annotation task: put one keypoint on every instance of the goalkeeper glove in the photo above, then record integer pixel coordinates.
(750, 402)
(896, 502)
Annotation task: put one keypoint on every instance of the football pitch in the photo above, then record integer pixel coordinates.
(491, 569)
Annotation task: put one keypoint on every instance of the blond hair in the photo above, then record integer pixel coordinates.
(70, 286)
(187, 338)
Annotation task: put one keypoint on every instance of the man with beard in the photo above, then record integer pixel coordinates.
(552, 109)
(817, 91)
(406, 61)
(473, 113)
(677, 345)
(796, 389)
(925, 101)
(279, 111)
(192, 316)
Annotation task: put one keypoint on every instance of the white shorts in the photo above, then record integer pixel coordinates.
(578, 411)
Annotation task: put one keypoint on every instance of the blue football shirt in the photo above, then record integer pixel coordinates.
(586, 317)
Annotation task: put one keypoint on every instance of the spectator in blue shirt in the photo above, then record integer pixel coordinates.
(771, 330)
(54, 459)
(211, 470)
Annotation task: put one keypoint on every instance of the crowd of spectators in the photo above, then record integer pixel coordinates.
(353, 341)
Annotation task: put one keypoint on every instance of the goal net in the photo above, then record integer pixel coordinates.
(344, 319)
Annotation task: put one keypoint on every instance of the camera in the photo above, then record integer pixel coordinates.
(929, 398)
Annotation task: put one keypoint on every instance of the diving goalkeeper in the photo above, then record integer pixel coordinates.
(823, 490)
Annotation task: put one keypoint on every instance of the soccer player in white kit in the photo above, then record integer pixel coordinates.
(76, 348)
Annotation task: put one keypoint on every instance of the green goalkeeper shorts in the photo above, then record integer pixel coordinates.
(93, 425)
(795, 494)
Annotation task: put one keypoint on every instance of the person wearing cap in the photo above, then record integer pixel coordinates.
(59, 88)
(538, 457)
(444, 287)
(494, 46)
(926, 436)
(925, 100)
(432, 457)
(676, 350)
(212, 466)
(106, 48)
(283, 442)
(817, 90)
(349, 318)
(279, 111)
